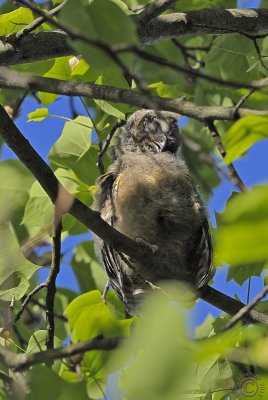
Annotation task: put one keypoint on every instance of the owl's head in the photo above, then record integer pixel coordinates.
(151, 132)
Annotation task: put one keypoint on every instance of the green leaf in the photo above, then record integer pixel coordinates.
(15, 269)
(89, 317)
(37, 342)
(88, 271)
(243, 134)
(74, 150)
(61, 69)
(45, 384)
(184, 5)
(39, 210)
(169, 91)
(230, 57)
(73, 143)
(97, 24)
(243, 228)
(241, 273)
(38, 115)
(160, 364)
(14, 21)
(15, 181)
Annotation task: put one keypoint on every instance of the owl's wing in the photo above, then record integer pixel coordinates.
(113, 262)
(203, 256)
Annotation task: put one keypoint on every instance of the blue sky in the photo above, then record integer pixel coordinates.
(253, 169)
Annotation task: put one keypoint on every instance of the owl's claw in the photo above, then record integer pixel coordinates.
(152, 247)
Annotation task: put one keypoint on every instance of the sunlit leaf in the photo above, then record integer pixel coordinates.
(38, 115)
(243, 134)
(243, 228)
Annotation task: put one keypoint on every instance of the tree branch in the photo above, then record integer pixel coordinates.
(234, 176)
(154, 9)
(52, 44)
(121, 243)
(38, 22)
(208, 21)
(245, 311)
(34, 47)
(231, 306)
(19, 362)
(51, 285)
(15, 80)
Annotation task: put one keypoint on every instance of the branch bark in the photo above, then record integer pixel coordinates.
(31, 159)
(16, 80)
(34, 47)
(245, 21)
(52, 44)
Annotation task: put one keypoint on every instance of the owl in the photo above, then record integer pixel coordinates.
(148, 195)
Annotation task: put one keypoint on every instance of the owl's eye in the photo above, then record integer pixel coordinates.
(150, 119)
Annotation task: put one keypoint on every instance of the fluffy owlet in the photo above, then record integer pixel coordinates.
(148, 196)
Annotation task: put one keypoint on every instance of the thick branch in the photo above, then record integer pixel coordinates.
(247, 21)
(29, 157)
(15, 80)
(52, 44)
(21, 361)
(232, 306)
(34, 47)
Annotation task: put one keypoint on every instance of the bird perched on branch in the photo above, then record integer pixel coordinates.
(148, 196)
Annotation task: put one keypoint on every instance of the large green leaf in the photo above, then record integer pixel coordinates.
(231, 57)
(46, 384)
(160, 365)
(97, 19)
(243, 228)
(15, 181)
(39, 210)
(15, 20)
(89, 317)
(37, 342)
(74, 149)
(15, 269)
(243, 134)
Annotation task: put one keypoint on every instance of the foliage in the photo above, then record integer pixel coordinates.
(158, 358)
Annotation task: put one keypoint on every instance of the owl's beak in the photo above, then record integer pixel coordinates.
(160, 143)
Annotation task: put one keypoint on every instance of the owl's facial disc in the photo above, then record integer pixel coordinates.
(158, 132)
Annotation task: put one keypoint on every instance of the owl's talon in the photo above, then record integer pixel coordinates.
(152, 247)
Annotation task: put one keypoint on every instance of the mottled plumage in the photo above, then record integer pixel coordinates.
(148, 195)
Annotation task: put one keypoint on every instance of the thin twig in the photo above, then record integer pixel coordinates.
(27, 300)
(38, 21)
(51, 285)
(187, 55)
(242, 101)
(19, 362)
(106, 145)
(43, 307)
(154, 9)
(246, 309)
(235, 177)
(254, 40)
